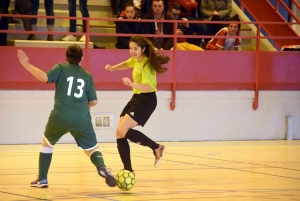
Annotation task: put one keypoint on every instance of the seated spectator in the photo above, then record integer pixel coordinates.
(159, 28)
(182, 29)
(127, 27)
(188, 7)
(117, 6)
(141, 7)
(4, 4)
(215, 10)
(196, 13)
(226, 43)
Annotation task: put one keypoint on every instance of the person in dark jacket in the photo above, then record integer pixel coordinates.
(158, 27)
(4, 4)
(127, 27)
(182, 29)
(215, 10)
(141, 7)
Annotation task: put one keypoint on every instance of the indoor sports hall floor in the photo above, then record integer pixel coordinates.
(213, 171)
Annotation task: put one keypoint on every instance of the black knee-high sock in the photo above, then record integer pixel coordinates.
(124, 151)
(139, 138)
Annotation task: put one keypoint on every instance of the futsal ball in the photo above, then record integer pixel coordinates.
(125, 180)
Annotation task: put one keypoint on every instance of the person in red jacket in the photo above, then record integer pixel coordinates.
(229, 42)
(188, 7)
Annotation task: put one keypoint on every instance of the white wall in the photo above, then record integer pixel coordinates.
(198, 116)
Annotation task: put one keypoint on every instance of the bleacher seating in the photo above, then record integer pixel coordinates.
(97, 9)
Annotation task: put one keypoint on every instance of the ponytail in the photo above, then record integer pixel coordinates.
(156, 60)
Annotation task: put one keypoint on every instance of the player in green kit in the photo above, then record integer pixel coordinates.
(145, 63)
(74, 95)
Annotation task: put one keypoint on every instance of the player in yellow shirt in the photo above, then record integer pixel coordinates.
(145, 63)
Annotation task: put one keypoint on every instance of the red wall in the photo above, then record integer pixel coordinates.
(195, 70)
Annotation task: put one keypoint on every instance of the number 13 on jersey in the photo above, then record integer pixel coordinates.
(80, 85)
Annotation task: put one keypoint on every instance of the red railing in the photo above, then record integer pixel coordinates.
(277, 2)
(276, 7)
(265, 11)
(258, 37)
(291, 3)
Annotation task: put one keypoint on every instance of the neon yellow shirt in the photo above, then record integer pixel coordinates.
(142, 74)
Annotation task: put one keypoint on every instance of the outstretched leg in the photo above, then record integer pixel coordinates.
(125, 131)
(97, 159)
(140, 138)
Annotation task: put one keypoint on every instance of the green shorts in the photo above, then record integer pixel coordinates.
(81, 129)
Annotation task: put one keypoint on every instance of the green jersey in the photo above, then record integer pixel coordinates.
(74, 88)
(142, 74)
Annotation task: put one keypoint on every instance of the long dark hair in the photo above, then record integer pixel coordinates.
(155, 60)
(74, 54)
(235, 18)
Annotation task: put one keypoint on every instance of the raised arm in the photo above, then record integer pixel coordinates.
(120, 66)
(36, 72)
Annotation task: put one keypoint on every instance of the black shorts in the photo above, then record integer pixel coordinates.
(140, 107)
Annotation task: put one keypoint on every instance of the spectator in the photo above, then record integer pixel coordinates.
(117, 6)
(49, 12)
(226, 43)
(4, 4)
(72, 13)
(188, 8)
(24, 8)
(166, 3)
(196, 13)
(14, 20)
(215, 10)
(127, 27)
(159, 28)
(182, 29)
(141, 7)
